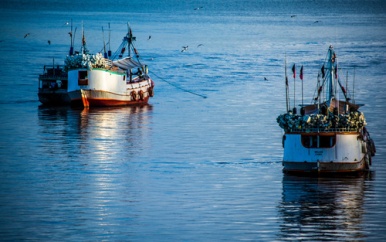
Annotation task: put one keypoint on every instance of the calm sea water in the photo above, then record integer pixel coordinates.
(186, 167)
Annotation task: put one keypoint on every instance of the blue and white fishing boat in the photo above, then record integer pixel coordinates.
(329, 135)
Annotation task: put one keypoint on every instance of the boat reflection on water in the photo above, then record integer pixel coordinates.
(324, 208)
(90, 157)
(96, 134)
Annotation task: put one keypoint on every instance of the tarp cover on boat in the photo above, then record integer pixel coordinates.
(126, 63)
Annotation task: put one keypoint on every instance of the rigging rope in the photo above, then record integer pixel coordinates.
(178, 87)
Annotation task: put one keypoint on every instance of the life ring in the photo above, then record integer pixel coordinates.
(134, 95)
(140, 94)
(150, 91)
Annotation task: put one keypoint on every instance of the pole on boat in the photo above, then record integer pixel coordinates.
(353, 88)
(294, 75)
(347, 99)
(83, 41)
(130, 39)
(72, 42)
(109, 52)
(73, 38)
(286, 83)
(331, 61)
(318, 90)
(301, 78)
(104, 44)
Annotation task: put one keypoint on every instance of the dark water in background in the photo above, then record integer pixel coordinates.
(186, 168)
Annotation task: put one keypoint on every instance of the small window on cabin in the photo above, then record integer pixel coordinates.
(82, 78)
(318, 141)
(310, 141)
(326, 141)
(82, 74)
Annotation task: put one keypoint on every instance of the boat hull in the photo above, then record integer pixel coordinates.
(324, 167)
(325, 153)
(54, 98)
(100, 98)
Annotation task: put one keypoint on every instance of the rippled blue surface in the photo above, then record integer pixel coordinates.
(186, 168)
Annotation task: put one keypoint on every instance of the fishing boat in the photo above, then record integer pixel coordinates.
(329, 135)
(53, 84)
(108, 79)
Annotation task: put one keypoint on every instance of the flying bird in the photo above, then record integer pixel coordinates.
(184, 48)
(26, 35)
(199, 45)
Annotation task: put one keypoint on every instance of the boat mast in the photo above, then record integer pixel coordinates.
(84, 49)
(353, 88)
(318, 91)
(286, 83)
(104, 44)
(71, 38)
(331, 68)
(130, 39)
(294, 75)
(109, 52)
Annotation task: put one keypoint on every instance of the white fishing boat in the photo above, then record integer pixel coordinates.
(329, 135)
(108, 80)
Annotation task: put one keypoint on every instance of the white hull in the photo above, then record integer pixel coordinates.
(101, 87)
(325, 152)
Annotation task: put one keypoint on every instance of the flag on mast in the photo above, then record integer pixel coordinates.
(294, 70)
(301, 73)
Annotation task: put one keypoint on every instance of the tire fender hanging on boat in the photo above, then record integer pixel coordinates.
(134, 95)
(150, 91)
(140, 94)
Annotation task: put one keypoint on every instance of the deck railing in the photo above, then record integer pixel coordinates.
(323, 130)
(54, 72)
